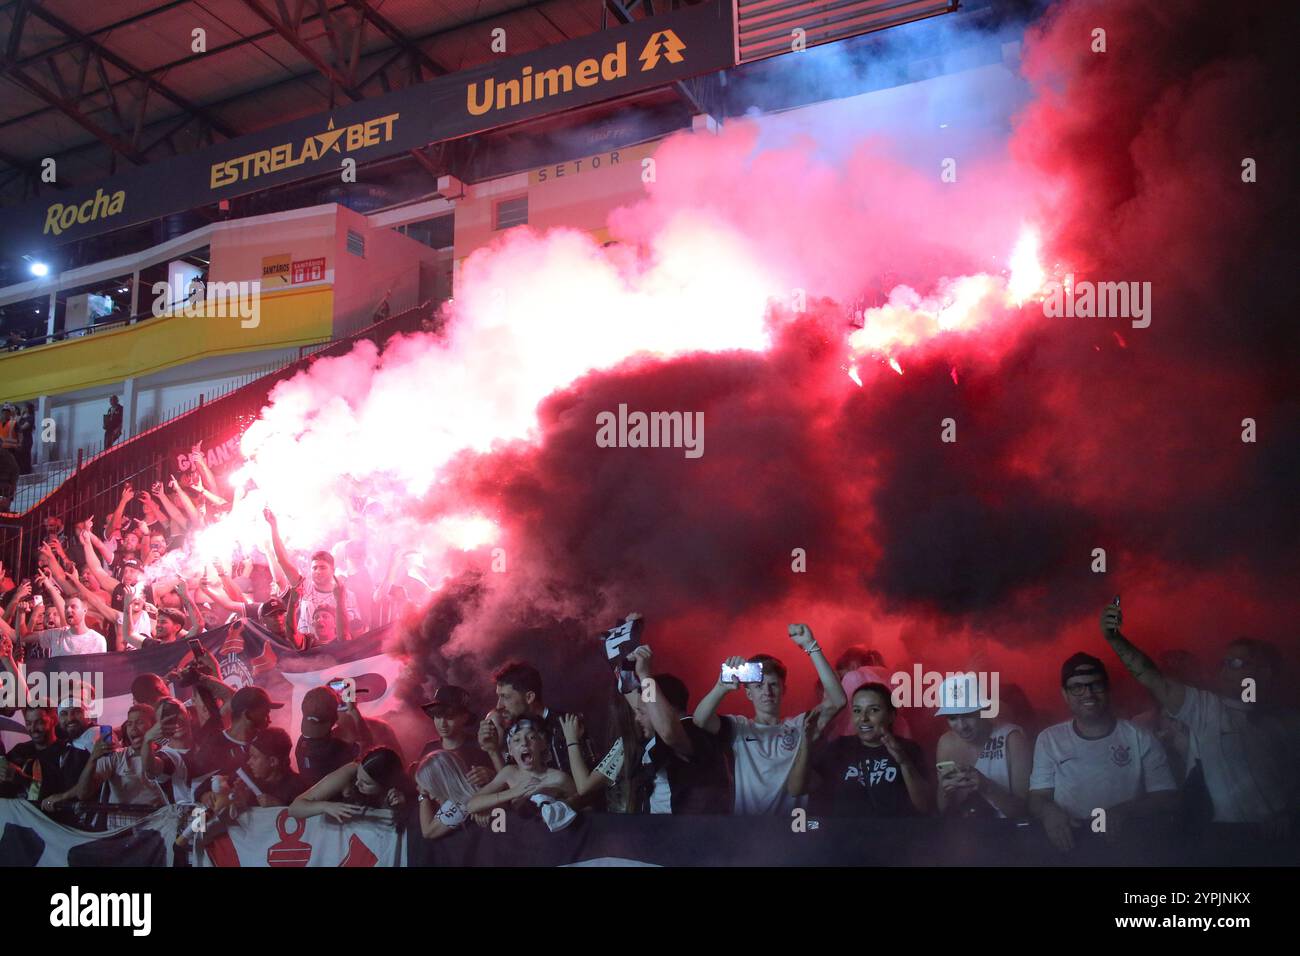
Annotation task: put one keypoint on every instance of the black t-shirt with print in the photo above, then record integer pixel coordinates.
(860, 781)
(58, 766)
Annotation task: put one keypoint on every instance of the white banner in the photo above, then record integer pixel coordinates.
(271, 837)
(29, 838)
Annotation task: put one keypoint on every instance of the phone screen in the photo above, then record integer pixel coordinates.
(747, 673)
(196, 646)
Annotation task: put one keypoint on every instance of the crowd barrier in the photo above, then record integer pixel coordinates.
(270, 837)
(669, 840)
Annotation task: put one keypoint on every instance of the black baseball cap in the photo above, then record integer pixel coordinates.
(246, 698)
(447, 699)
(271, 608)
(131, 563)
(1083, 665)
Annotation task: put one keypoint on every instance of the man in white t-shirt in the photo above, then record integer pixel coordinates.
(1245, 740)
(1096, 762)
(123, 769)
(320, 588)
(75, 638)
(764, 747)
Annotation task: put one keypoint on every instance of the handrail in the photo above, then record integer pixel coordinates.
(94, 485)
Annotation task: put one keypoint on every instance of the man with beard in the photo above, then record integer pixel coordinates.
(75, 638)
(22, 770)
(1245, 740)
(1094, 762)
(519, 692)
(44, 769)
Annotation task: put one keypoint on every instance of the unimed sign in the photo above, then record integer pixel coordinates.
(603, 65)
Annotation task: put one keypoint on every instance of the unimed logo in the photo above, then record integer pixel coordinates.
(76, 909)
(664, 46)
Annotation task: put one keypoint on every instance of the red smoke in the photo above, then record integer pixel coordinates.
(1069, 437)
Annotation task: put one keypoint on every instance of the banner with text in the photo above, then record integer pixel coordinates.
(609, 63)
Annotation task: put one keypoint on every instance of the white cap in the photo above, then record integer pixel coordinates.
(960, 694)
(555, 814)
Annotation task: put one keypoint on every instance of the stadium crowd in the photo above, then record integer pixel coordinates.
(1219, 749)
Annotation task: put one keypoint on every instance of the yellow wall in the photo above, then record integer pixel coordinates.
(290, 318)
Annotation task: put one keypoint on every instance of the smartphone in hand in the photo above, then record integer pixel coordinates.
(751, 672)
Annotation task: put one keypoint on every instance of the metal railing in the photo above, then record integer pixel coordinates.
(49, 474)
(94, 486)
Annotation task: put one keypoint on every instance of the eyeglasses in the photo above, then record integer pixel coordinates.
(1097, 687)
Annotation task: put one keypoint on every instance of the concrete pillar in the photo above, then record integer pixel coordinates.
(41, 452)
(128, 409)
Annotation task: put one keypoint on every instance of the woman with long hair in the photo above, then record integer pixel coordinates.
(375, 782)
(444, 790)
(615, 774)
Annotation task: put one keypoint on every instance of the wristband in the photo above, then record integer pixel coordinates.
(452, 815)
(812, 650)
(576, 743)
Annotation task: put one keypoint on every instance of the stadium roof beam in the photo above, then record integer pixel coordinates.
(106, 28)
(29, 172)
(290, 35)
(16, 31)
(79, 39)
(419, 59)
(623, 12)
(67, 105)
(166, 67)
